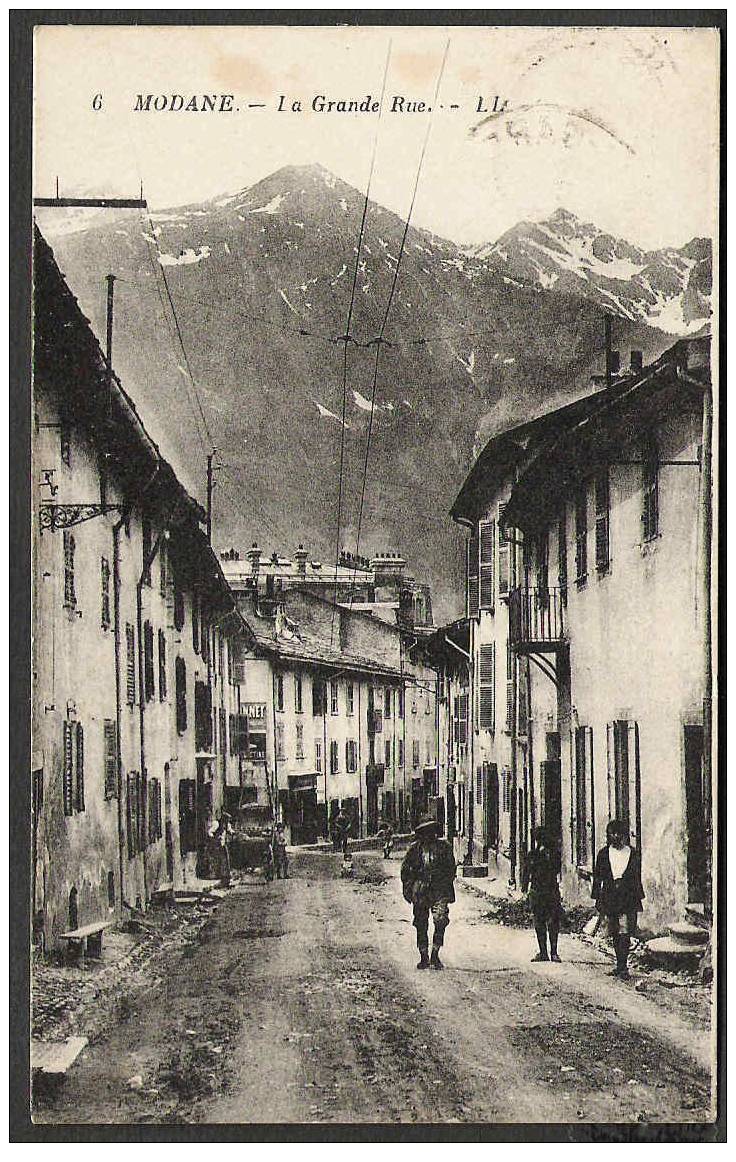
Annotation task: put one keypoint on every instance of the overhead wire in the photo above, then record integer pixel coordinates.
(347, 338)
(380, 338)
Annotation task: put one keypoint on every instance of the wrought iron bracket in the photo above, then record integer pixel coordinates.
(63, 516)
(547, 666)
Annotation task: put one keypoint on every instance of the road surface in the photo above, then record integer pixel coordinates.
(300, 1002)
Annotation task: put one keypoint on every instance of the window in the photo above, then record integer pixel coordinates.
(650, 487)
(623, 776)
(180, 669)
(147, 551)
(334, 758)
(318, 755)
(148, 678)
(522, 704)
(583, 797)
(543, 568)
(487, 541)
(154, 821)
(602, 523)
(280, 749)
(504, 555)
(136, 812)
(509, 688)
(105, 592)
(319, 697)
(110, 758)
(387, 752)
(300, 740)
(298, 701)
(581, 536)
(334, 703)
(487, 715)
(350, 697)
(130, 664)
(162, 681)
(279, 691)
(222, 724)
(387, 702)
(73, 779)
(351, 756)
(562, 554)
(204, 636)
(415, 752)
(401, 752)
(400, 696)
(220, 654)
(472, 573)
(70, 593)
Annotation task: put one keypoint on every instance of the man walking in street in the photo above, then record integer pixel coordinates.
(427, 878)
(340, 832)
(539, 879)
(280, 857)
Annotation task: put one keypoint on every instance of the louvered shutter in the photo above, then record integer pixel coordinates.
(162, 678)
(504, 556)
(110, 757)
(472, 573)
(68, 775)
(148, 661)
(130, 663)
(487, 542)
(488, 687)
(79, 772)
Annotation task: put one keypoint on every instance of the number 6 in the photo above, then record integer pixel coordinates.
(97, 102)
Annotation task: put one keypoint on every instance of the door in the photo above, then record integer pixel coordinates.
(695, 822)
(372, 806)
(451, 813)
(491, 804)
(551, 779)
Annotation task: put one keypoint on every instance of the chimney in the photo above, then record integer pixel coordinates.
(254, 556)
(300, 556)
(637, 362)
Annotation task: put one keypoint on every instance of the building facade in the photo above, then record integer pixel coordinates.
(135, 634)
(604, 626)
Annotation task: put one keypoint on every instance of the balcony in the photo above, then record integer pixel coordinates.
(536, 620)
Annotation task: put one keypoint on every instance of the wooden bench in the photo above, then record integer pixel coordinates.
(87, 940)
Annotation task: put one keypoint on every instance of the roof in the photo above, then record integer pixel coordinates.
(680, 375)
(316, 571)
(63, 341)
(304, 647)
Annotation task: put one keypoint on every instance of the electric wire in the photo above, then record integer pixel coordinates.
(379, 340)
(347, 337)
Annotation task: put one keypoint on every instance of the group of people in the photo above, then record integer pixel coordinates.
(428, 875)
(275, 838)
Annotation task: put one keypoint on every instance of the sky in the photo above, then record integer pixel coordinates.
(620, 126)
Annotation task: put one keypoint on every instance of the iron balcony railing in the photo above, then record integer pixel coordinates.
(536, 618)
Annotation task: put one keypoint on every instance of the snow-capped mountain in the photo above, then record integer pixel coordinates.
(261, 280)
(669, 288)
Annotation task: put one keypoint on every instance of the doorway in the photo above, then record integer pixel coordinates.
(695, 821)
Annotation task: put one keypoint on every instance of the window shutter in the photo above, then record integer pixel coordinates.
(142, 809)
(562, 553)
(488, 687)
(486, 563)
(132, 813)
(130, 663)
(633, 798)
(110, 751)
(195, 623)
(472, 573)
(105, 592)
(602, 522)
(504, 556)
(181, 695)
(148, 677)
(79, 773)
(581, 535)
(178, 609)
(68, 776)
(162, 678)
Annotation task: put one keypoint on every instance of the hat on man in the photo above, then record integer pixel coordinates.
(426, 824)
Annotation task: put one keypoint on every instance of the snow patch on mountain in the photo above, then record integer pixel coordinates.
(187, 257)
(271, 207)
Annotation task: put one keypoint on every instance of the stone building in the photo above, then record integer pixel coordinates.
(605, 621)
(135, 636)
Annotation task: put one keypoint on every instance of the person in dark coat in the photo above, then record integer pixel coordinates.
(280, 855)
(617, 890)
(427, 879)
(539, 879)
(341, 832)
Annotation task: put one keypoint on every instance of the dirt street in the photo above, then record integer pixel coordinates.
(300, 1002)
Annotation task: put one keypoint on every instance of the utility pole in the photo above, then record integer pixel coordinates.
(209, 498)
(110, 280)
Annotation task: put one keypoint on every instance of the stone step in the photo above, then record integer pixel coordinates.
(686, 933)
(666, 950)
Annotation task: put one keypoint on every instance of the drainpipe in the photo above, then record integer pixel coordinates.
(116, 529)
(272, 791)
(360, 766)
(530, 748)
